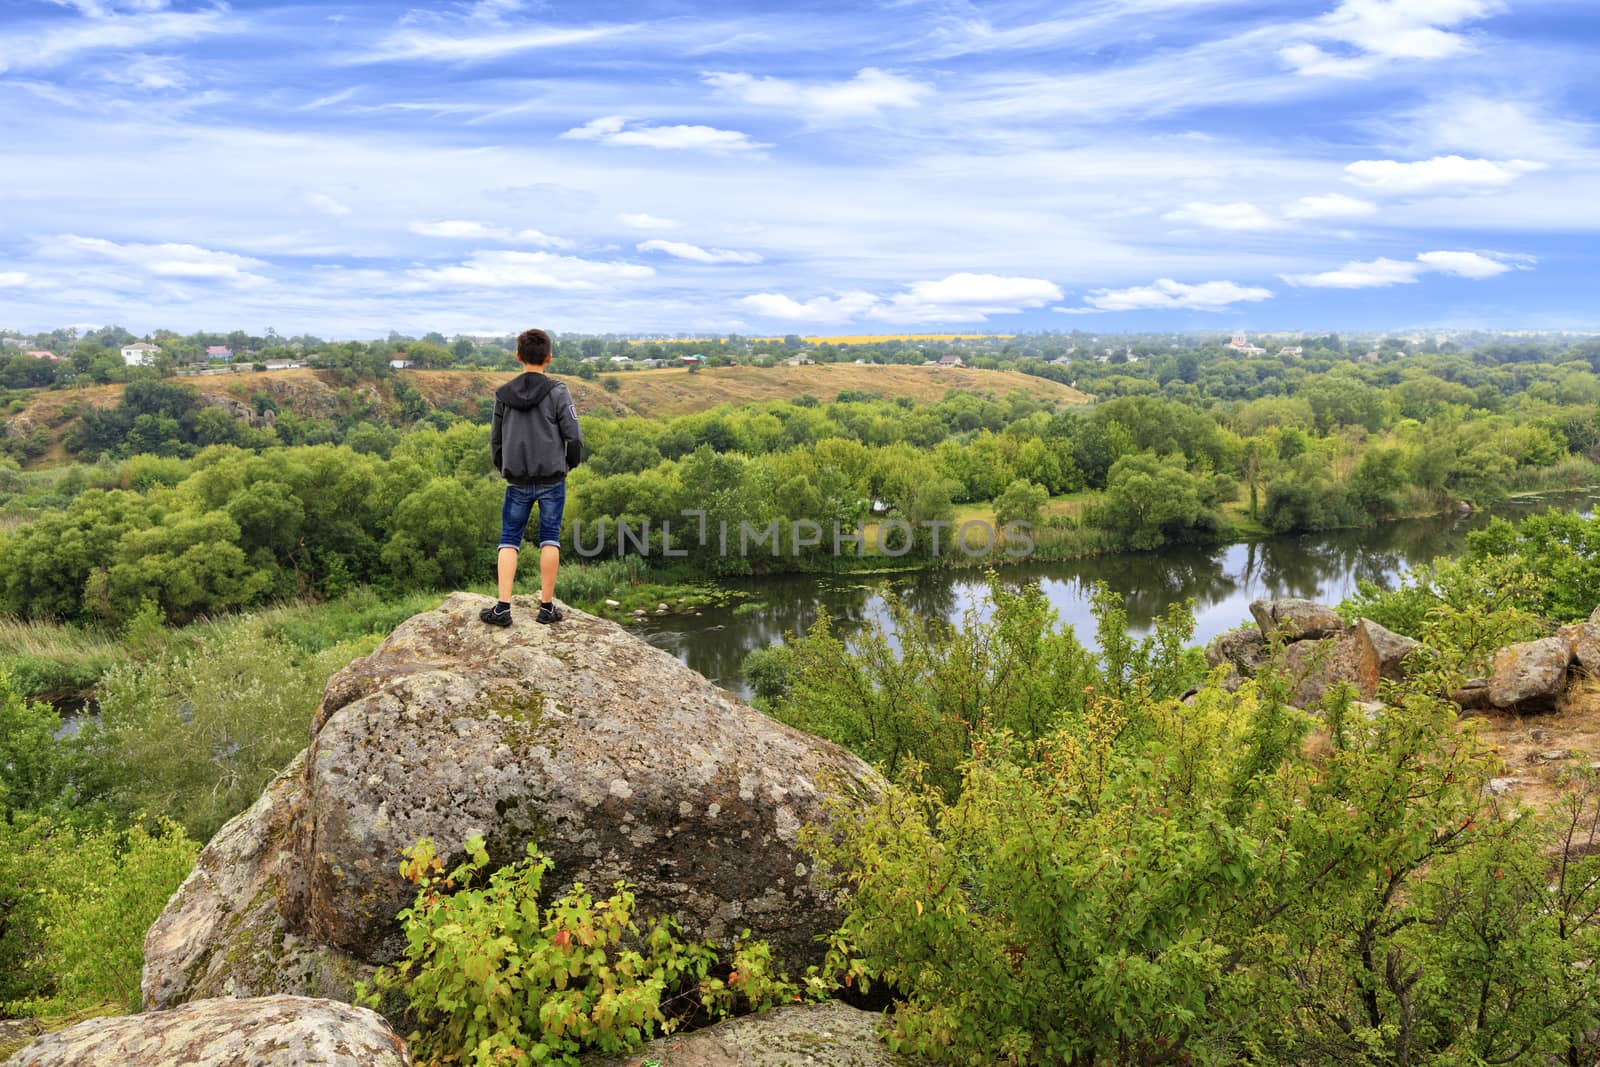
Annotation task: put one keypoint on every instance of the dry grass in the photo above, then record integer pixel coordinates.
(667, 392)
(1538, 750)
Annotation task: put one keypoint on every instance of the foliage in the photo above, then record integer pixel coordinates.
(1561, 553)
(195, 734)
(920, 690)
(493, 978)
(80, 900)
(1154, 883)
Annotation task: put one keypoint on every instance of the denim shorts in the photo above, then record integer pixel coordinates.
(514, 513)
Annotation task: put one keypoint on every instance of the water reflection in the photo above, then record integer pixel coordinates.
(1221, 580)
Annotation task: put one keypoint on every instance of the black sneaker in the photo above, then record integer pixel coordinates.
(550, 613)
(495, 617)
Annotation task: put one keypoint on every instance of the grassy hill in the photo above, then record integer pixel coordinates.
(668, 392)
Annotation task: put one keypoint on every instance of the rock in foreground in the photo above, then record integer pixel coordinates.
(617, 760)
(261, 1032)
(818, 1035)
(1530, 676)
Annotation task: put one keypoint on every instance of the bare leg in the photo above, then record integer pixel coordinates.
(549, 560)
(508, 572)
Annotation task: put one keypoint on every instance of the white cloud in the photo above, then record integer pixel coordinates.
(1445, 173)
(1235, 216)
(146, 72)
(1382, 272)
(466, 48)
(961, 297)
(1364, 35)
(163, 260)
(1463, 264)
(99, 9)
(327, 205)
(618, 130)
(13, 279)
(532, 270)
(684, 250)
(1371, 274)
(1164, 294)
(1330, 206)
(822, 309)
(866, 95)
(125, 33)
(1476, 125)
(467, 230)
(643, 221)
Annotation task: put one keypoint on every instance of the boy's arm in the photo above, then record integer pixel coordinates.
(571, 433)
(494, 433)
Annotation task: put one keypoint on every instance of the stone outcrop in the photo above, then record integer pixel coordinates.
(618, 761)
(1584, 638)
(1293, 619)
(1242, 651)
(260, 1032)
(1387, 650)
(817, 1035)
(1314, 667)
(1530, 675)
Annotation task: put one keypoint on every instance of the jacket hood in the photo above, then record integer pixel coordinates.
(525, 391)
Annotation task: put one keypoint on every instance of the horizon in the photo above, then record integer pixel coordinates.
(1131, 166)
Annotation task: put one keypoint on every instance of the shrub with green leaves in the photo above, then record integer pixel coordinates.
(83, 901)
(494, 978)
(1159, 883)
(921, 689)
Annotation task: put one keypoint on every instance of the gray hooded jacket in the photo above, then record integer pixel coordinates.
(535, 437)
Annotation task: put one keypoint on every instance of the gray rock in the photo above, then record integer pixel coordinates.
(1293, 619)
(817, 1035)
(1594, 616)
(1529, 676)
(618, 761)
(1387, 649)
(220, 934)
(259, 1032)
(1584, 637)
(1473, 695)
(1243, 649)
(1314, 667)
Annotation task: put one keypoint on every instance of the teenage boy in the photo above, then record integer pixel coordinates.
(535, 441)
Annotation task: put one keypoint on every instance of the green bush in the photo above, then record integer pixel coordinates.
(491, 977)
(918, 689)
(83, 899)
(1159, 883)
(195, 735)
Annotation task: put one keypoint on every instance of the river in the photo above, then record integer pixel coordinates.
(1222, 580)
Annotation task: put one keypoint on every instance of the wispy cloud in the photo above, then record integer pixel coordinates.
(1235, 216)
(1382, 272)
(13, 279)
(961, 297)
(531, 270)
(32, 48)
(868, 94)
(1330, 206)
(327, 205)
(622, 131)
(1442, 173)
(176, 261)
(497, 43)
(696, 254)
(1164, 294)
(467, 230)
(640, 220)
(1359, 37)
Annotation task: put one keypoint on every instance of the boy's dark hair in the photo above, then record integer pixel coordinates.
(533, 348)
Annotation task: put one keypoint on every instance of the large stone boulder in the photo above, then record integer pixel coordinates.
(1584, 638)
(1293, 619)
(1529, 676)
(259, 1032)
(221, 934)
(1242, 650)
(816, 1035)
(617, 760)
(1314, 667)
(1388, 650)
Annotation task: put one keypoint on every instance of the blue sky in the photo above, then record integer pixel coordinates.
(912, 165)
